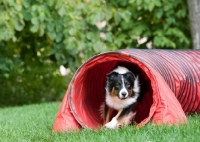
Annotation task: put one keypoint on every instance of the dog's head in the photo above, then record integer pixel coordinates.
(121, 84)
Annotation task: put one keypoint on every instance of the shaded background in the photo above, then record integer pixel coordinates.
(38, 37)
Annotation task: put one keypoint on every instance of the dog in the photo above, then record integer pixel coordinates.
(121, 93)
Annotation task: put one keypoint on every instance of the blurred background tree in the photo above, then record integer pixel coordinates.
(194, 16)
(38, 36)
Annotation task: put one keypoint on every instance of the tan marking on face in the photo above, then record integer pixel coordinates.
(114, 92)
(130, 92)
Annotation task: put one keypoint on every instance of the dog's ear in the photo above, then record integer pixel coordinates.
(111, 75)
(130, 75)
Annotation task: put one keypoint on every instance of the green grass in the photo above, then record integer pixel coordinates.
(33, 123)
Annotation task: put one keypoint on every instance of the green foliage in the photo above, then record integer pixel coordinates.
(160, 21)
(38, 36)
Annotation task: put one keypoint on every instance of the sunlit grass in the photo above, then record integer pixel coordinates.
(34, 123)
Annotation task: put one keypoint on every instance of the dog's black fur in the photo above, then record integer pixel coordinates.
(122, 94)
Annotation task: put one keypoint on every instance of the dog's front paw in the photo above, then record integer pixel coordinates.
(112, 124)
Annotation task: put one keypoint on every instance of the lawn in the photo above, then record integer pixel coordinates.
(33, 123)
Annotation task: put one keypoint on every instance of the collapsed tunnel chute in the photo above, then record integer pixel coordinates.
(170, 81)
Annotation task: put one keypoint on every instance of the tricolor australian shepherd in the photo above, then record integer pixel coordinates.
(122, 92)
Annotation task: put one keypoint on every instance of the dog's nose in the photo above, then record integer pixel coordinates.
(123, 94)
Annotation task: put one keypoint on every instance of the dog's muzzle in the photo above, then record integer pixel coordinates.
(123, 95)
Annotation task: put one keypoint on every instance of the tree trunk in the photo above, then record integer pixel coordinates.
(194, 16)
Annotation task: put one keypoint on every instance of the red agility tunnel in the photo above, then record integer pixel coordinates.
(170, 81)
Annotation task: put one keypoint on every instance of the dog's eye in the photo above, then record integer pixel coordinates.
(118, 84)
(116, 88)
(128, 86)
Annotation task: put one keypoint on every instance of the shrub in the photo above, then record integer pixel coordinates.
(38, 36)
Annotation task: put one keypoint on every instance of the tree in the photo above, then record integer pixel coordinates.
(194, 16)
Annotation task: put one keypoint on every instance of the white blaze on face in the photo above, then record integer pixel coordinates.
(123, 93)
